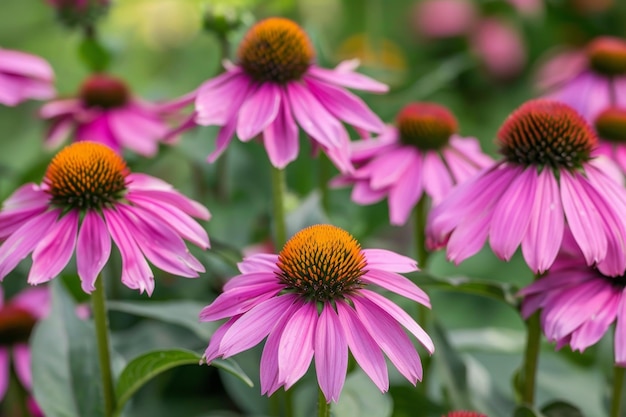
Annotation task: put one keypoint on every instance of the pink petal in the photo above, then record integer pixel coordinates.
(406, 193)
(281, 137)
(364, 348)
(58, 108)
(239, 300)
(258, 111)
(17, 62)
(437, 182)
(331, 354)
(512, 214)
(98, 130)
(388, 168)
(260, 262)
(270, 380)
(344, 76)
(35, 300)
(620, 332)
(93, 249)
(396, 283)
(363, 150)
(362, 193)
(223, 139)
(296, 344)
(590, 332)
(216, 103)
(212, 351)
(21, 363)
(137, 129)
(387, 260)
(25, 203)
(58, 132)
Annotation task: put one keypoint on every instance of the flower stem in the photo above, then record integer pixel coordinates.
(531, 359)
(323, 408)
(221, 187)
(324, 177)
(618, 385)
(98, 299)
(419, 224)
(278, 194)
(288, 403)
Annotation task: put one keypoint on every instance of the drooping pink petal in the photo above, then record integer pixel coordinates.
(213, 350)
(511, 215)
(388, 168)
(25, 203)
(137, 129)
(362, 193)
(17, 62)
(620, 332)
(269, 371)
(406, 193)
(58, 132)
(363, 150)
(217, 102)
(239, 300)
(223, 139)
(438, 182)
(396, 283)
(58, 108)
(259, 262)
(35, 300)
(344, 76)
(259, 111)
(98, 130)
(387, 260)
(5, 371)
(331, 354)
(296, 344)
(281, 136)
(364, 348)
(21, 363)
(93, 249)
(596, 326)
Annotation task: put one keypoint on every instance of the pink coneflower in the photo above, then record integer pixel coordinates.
(321, 268)
(611, 127)
(589, 80)
(548, 177)
(438, 19)
(107, 113)
(500, 47)
(422, 154)
(578, 303)
(24, 76)
(88, 197)
(275, 87)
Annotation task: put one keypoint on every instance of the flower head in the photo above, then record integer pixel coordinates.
(421, 154)
(87, 197)
(105, 111)
(80, 12)
(24, 76)
(276, 86)
(610, 124)
(548, 178)
(313, 300)
(578, 303)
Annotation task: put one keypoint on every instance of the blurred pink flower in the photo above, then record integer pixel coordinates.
(277, 296)
(611, 127)
(578, 303)
(436, 19)
(107, 113)
(500, 47)
(548, 176)
(530, 8)
(88, 197)
(275, 87)
(24, 76)
(422, 154)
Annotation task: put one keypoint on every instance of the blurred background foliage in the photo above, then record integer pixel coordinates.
(160, 48)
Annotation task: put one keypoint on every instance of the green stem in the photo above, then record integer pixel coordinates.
(419, 224)
(98, 299)
(531, 359)
(323, 408)
(324, 167)
(278, 194)
(288, 403)
(221, 187)
(618, 385)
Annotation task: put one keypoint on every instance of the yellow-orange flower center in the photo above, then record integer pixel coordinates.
(426, 126)
(545, 132)
(607, 55)
(611, 124)
(15, 325)
(86, 175)
(104, 91)
(277, 50)
(322, 262)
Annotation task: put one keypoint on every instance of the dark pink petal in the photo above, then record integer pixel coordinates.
(238, 300)
(296, 344)
(543, 237)
(596, 326)
(331, 354)
(93, 249)
(216, 103)
(21, 363)
(5, 371)
(511, 214)
(98, 130)
(388, 168)
(390, 337)
(345, 105)
(136, 273)
(437, 178)
(212, 351)
(620, 332)
(406, 193)
(343, 75)
(25, 203)
(281, 136)
(362, 193)
(364, 348)
(259, 262)
(401, 317)
(270, 380)
(137, 129)
(258, 111)
(396, 283)
(363, 150)
(255, 324)
(387, 260)
(582, 217)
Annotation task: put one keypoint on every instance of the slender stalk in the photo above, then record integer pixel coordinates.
(531, 359)
(419, 224)
(324, 167)
(323, 408)
(618, 385)
(278, 194)
(288, 403)
(98, 299)
(221, 187)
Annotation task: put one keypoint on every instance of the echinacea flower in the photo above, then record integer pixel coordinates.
(578, 303)
(440, 19)
(275, 87)
(547, 179)
(464, 414)
(500, 47)
(24, 76)
(422, 154)
(106, 112)
(88, 197)
(313, 299)
(589, 80)
(610, 124)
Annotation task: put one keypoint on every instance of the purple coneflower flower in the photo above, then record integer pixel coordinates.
(422, 154)
(24, 76)
(610, 124)
(313, 300)
(275, 87)
(548, 177)
(88, 196)
(589, 80)
(578, 303)
(107, 113)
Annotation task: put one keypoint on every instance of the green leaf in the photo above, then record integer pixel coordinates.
(233, 368)
(66, 374)
(525, 411)
(147, 366)
(182, 313)
(561, 409)
(94, 55)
